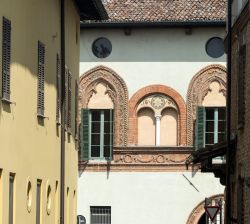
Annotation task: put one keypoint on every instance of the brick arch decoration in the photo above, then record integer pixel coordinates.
(199, 210)
(198, 89)
(117, 91)
(156, 89)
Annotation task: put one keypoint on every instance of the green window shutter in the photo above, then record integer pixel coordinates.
(200, 127)
(84, 133)
(111, 132)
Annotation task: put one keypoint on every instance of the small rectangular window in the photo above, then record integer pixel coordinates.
(6, 54)
(11, 198)
(38, 201)
(100, 215)
(40, 88)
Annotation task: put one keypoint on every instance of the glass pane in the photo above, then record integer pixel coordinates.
(221, 126)
(95, 151)
(95, 139)
(222, 113)
(221, 137)
(210, 126)
(106, 151)
(107, 127)
(96, 115)
(106, 139)
(209, 138)
(106, 115)
(95, 127)
(209, 114)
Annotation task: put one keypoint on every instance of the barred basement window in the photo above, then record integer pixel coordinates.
(100, 215)
(40, 89)
(58, 88)
(241, 81)
(6, 50)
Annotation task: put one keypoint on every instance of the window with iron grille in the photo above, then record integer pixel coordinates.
(6, 48)
(58, 88)
(100, 215)
(241, 81)
(40, 89)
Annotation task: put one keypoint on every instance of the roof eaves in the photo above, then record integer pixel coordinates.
(151, 24)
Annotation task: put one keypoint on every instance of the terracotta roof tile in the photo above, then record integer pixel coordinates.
(165, 10)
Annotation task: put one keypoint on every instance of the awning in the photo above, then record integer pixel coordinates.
(205, 154)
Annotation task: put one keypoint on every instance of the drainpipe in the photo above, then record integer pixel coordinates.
(228, 153)
(62, 108)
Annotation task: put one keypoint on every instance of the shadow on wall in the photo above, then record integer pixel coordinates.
(152, 45)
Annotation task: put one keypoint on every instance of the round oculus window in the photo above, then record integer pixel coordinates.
(102, 47)
(215, 47)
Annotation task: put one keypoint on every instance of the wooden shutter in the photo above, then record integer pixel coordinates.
(58, 88)
(200, 128)
(241, 81)
(6, 59)
(66, 98)
(84, 134)
(76, 109)
(40, 90)
(69, 102)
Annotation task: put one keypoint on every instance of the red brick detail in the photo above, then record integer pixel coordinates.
(154, 89)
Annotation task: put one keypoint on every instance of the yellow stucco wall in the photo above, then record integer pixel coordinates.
(28, 148)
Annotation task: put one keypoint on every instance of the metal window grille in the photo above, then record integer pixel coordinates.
(100, 215)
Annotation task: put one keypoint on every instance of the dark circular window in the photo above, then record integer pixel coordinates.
(101, 47)
(215, 47)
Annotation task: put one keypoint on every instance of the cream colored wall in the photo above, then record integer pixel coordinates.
(30, 148)
(169, 121)
(166, 56)
(146, 127)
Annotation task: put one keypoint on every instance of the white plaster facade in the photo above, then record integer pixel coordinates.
(149, 56)
(145, 197)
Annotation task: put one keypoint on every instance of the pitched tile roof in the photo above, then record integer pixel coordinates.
(165, 10)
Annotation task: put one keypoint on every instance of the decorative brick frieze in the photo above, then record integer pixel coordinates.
(141, 159)
(198, 89)
(145, 92)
